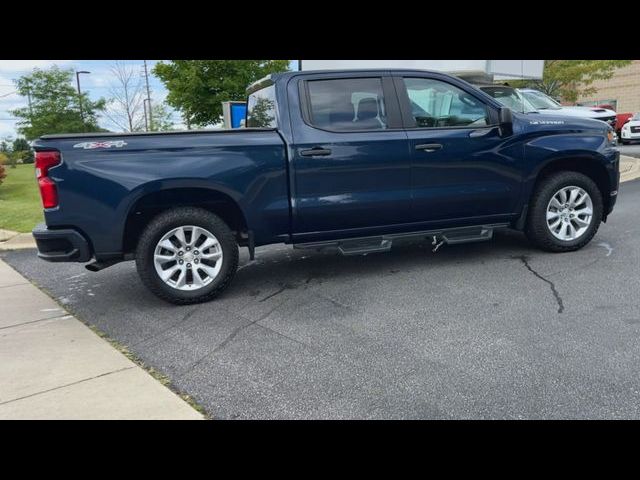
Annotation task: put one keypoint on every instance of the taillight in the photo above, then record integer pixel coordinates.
(48, 190)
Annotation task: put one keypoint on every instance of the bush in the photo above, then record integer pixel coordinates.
(4, 159)
(28, 157)
(2, 173)
(22, 156)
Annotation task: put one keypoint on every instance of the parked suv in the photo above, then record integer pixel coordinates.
(509, 97)
(631, 130)
(350, 160)
(546, 105)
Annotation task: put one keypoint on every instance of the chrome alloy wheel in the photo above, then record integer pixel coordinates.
(188, 258)
(569, 213)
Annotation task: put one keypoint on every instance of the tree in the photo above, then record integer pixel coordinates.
(569, 79)
(125, 107)
(6, 153)
(21, 144)
(197, 88)
(161, 118)
(22, 151)
(55, 106)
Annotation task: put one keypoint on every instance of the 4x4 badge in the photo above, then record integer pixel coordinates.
(91, 145)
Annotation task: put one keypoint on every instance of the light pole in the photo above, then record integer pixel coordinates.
(80, 94)
(146, 123)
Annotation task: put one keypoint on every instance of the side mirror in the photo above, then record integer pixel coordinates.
(505, 119)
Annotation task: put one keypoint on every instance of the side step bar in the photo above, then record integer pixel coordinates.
(382, 243)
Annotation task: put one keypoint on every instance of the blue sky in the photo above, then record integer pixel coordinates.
(96, 84)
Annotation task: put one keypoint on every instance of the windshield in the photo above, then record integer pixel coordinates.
(540, 101)
(509, 97)
(636, 117)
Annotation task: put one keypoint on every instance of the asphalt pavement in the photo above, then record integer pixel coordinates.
(632, 150)
(487, 330)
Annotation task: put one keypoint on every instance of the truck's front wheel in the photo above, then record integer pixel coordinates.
(187, 255)
(565, 212)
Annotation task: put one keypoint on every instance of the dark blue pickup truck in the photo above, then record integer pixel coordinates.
(345, 159)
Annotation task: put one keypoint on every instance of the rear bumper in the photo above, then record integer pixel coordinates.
(64, 245)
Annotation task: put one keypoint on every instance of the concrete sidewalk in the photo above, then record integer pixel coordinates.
(52, 366)
(629, 168)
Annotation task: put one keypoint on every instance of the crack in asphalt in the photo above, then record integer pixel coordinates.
(234, 333)
(282, 289)
(295, 340)
(184, 318)
(525, 261)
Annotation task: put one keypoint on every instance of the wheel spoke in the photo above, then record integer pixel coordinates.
(208, 243)
(169, 272)
(551, 215)
(584, 211)
(211, 271)
(553, 225)
(555, 203)
(562, 196)
(212, 256)
(580, 200)
(571, 231)
(573, 195)
(197, 280)
(182, 279)
(195, 235)
(167, 245)
(179, 233)
(582, 222)
(563, 230)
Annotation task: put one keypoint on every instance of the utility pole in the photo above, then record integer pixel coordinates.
(146, 125)
(146, 78)
(80, 96)
(30, 106)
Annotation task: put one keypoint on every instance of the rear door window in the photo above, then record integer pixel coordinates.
(347, 104)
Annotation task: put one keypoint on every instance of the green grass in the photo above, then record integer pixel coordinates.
(20, 204)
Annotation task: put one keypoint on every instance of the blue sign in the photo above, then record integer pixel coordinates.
(238, 113)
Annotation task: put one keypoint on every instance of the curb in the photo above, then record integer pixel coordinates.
(17, 241)
(7, 235)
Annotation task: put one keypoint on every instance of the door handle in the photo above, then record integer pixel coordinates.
(429, 147)
(315, 152)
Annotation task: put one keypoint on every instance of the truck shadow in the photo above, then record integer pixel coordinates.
(282, 267)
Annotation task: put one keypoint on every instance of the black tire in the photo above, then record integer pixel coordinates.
(536, 228)
(164, 223)
(624, 142)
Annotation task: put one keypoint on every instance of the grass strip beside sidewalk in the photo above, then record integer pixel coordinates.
(20, 204)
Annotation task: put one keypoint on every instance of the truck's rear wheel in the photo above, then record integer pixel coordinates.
(187, 255)
(565, 212)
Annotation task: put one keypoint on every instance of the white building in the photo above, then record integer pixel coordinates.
(481, 70)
